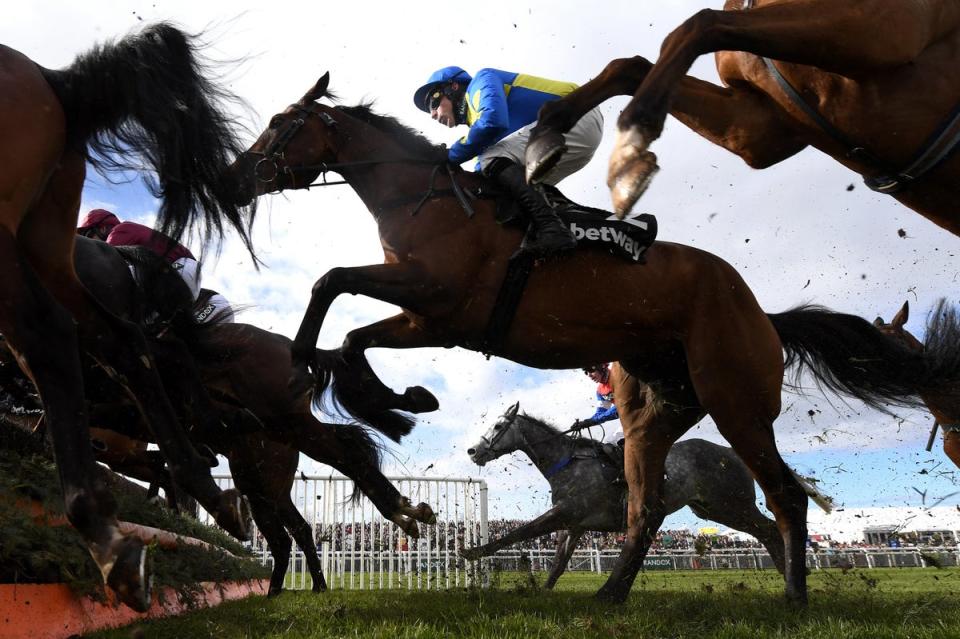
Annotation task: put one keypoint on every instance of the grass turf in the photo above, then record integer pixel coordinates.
(874, 604)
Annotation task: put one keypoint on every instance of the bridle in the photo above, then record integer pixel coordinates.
(527, 445)
(273, 161)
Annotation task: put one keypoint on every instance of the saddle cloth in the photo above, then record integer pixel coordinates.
(628, 238)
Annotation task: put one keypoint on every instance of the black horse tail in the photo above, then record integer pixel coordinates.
(147, 96)
(361, 442)
(346, 399)
(848, 355)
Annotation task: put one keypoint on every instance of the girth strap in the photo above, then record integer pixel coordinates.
(511, 290)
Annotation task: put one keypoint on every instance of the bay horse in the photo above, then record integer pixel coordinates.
(240, 367)
(871, 83)
(141, 101)
(685, 322)
(709, 479)
(944, 405)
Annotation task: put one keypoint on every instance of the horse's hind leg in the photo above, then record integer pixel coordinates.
(50, 356)
(652, 421)
(359, 391)
(737, 369)
(303, 535)
(845, 38)
(567, 542)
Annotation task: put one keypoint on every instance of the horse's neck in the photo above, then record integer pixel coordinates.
(542, 445)
(378, 182)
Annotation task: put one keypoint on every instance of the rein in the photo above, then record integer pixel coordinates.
(889, 180)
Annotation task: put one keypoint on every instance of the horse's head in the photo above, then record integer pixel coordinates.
(291, 152)
(896, 330)
(502, 438)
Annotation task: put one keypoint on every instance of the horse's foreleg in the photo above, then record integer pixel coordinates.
(556, 117)
(566, 543)
(396, 332)
(401, 284)
(548, 522)
(847, 39)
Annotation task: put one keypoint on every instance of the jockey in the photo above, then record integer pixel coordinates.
(100, 224)
(612, 444)
(606, 410)
(501, 108)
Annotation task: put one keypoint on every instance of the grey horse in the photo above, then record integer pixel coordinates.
(708, 478)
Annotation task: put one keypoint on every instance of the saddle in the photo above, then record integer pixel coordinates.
(628, 238)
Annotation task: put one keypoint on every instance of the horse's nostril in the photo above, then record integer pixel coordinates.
(471, 451)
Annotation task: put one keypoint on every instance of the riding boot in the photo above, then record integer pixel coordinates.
(552, 235)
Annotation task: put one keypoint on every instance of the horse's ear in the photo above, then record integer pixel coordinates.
(878, 322)
(512, 411)
(318, 90)
(902, 316)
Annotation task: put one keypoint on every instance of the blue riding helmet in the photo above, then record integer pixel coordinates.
(441, 76)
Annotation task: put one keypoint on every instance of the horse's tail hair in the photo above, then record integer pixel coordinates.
(849, 356)
(345, 400)
(818, 497)
(363, 443)
(146, 100)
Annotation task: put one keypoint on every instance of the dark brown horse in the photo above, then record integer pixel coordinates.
(868, 82)
(685, 322)
(245, 368)
(944, 405)
(140, 101)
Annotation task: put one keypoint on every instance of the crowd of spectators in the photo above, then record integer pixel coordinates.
(453, 536)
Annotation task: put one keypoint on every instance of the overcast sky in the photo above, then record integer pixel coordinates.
(797, 232)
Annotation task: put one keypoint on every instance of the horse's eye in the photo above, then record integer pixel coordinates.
(497, 426)
(276, 121)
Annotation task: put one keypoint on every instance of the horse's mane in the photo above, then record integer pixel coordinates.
(551, 428)
(408, 138)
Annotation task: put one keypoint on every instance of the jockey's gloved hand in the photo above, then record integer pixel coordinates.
(441, 154)
(580, 424)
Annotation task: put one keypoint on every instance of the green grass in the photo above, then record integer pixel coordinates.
(868, 604)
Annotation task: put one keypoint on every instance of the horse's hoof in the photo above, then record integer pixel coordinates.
(544, 151)
(425, 514)
(234, 514)
(420, 400)
(273, 592)
(408, 526)
(631, 169)
(130, 577)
